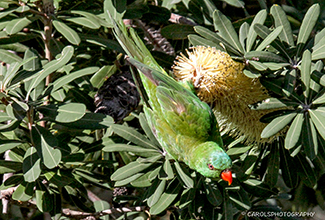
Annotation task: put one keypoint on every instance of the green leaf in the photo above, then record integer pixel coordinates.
(214, 195)
(8, 144)
(280, 19)
(243, 32)
(305, 171)
(318, 120)
(12, 181)
(71, 35)
(177, 31)
(87, 22)
(98, 79)
(305, 71)
(114, 11)
(147, 129)
(185, 177)
(294, 131)
(9, 166)
(129, 170)
(51, 67)
(137, 150)
(196, 40)
(24, 192)
(251, 36)
(216, 38)
(272, 103)
(142, 181)
(272, 173)
(101, 205)
(128, 180)
(153, 199)
(132, 135)
(290, 81)
(257, 65)
(258, 188)
(269, 39)
(45, 144)
(288, 168)
(9, 57)
(91, 121)
(64, 80)
(31, 165)
(32, 64)
(44, 200)
(16, 25)
(264, 56)
(309, 138)
(226, 30)
(308, 23)
(277, 125)
(70, 112)
(240, 199)
(318, 50)
(166, 198)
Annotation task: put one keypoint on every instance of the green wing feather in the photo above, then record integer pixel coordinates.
(183, 124)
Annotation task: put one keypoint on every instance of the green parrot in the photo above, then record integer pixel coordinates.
(184, 125)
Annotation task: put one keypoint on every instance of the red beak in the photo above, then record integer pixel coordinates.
(226, 175)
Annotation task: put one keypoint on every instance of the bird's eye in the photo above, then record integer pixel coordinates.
(211, 167)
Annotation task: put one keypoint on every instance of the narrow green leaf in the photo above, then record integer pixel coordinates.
(132, 135)
(24, 192)
(16, 25)
(258, 65)
(31, 165)
(214, 195)
(294, 131)
(103, 74)
(9, 166)
(305, 71)
(51, 67)
(177, 31)
(71, 35)
(197, 41)
(288, 168)
(309, 138)
(70, 112)
(9, 57)
(308, 23)
(101, 205)
(187, 197)
(112, 11)
(264, 56)
(273, 166)
(44, 200)
(137, 150)
(277, 125)
(280, 19)
(272, 103)
(258, 188)
(142, 181)
(167, 198)
(129, 170)
(8, 144)
(305, 171)
(290, 81)
(33, 64)
(153, 199)
(87, 22)
(251, 36)
(45, 144)
(91, 121)
(185, 177)
(269, 39)
(318, 120)
(206, 33)
(243, 32)
(12, 181)
(168, 169)
(318, 50)
(128, 180)
(64, 80)
(147, 129)
(226, 30)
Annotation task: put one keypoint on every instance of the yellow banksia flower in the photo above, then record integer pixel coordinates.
(220, 82)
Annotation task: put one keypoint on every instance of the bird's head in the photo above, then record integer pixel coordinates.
(211, 161)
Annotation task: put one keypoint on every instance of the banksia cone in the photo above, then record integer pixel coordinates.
(220, 82)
